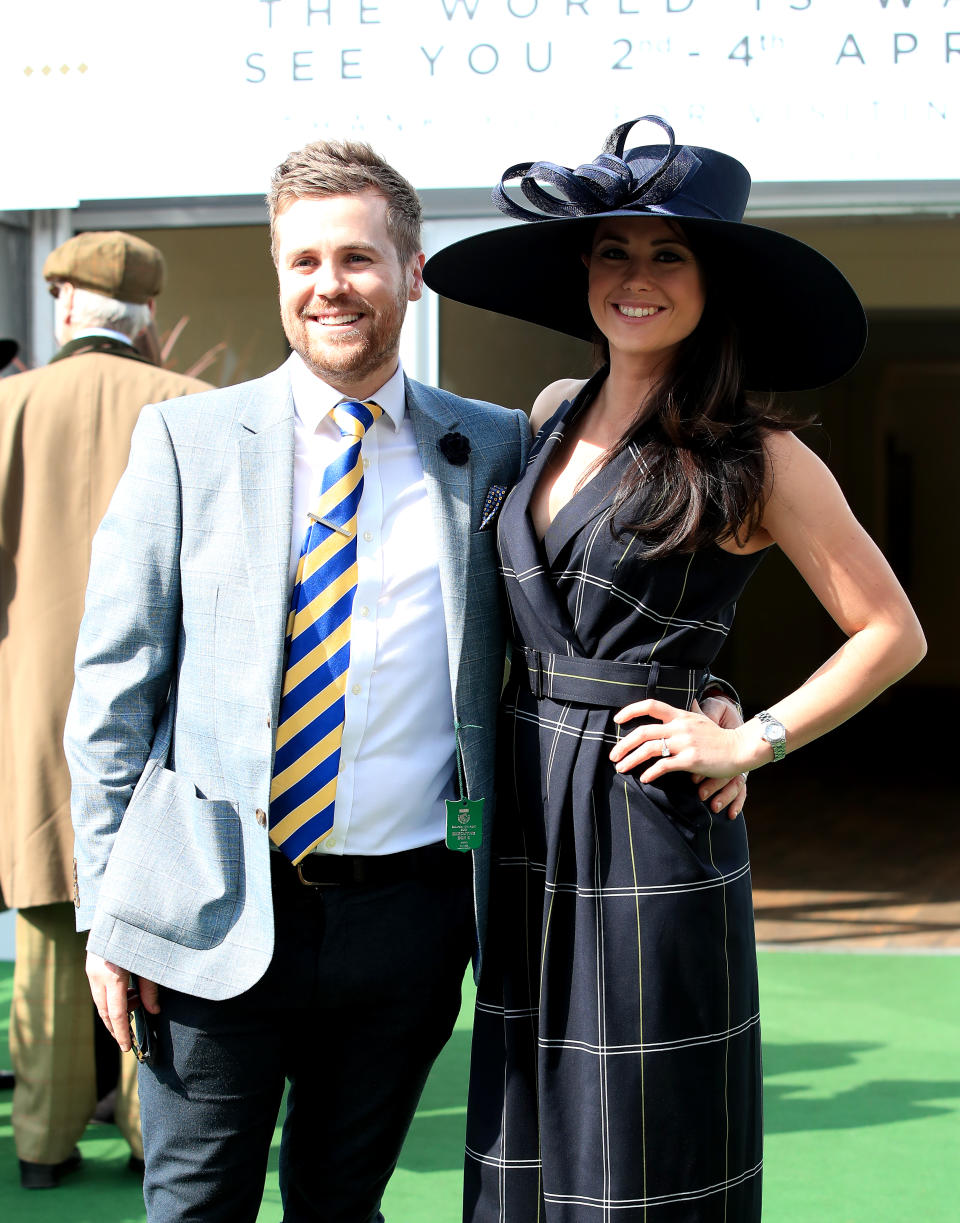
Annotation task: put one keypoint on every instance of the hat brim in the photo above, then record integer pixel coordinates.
(801, 324)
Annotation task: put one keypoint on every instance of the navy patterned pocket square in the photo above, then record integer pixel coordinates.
(496, 495)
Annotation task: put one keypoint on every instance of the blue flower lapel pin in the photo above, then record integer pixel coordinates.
(496, 495)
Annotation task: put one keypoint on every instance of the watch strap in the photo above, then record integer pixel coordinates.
(778, 742)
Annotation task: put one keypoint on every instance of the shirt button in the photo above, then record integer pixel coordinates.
(364, 611)
(368, 535)
(261, 817)
(331, 841)
(356, 689)
(366, 464)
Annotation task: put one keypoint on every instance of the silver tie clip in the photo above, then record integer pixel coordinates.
(331, 526)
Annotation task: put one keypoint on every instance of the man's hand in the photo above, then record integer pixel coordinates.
(109, 985)
(731, 793)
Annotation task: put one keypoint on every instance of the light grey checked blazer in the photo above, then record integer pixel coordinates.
(170, 733)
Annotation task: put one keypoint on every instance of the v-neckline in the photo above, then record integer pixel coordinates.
(601, 484)
(532, 561)
(580, 508)
(558, 434)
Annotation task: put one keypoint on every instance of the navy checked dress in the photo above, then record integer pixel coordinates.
(616, 1055)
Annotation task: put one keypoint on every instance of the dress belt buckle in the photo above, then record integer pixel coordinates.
(312, 883)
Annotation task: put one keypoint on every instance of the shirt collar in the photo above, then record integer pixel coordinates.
(314, 399)
(111, 335)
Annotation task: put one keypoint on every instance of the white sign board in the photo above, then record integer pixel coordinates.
(121, 99)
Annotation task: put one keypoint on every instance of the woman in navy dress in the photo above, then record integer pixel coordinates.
(616, 1061)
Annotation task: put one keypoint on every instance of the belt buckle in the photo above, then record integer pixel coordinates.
(311, 883)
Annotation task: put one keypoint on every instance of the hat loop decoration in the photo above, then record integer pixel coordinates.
(607, 183)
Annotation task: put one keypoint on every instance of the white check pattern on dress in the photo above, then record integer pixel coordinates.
(616, 1067)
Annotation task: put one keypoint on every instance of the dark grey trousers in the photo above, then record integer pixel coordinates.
(361, 996)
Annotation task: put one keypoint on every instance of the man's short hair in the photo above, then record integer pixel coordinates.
(346, 167)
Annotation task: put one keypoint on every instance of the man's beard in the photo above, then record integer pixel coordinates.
(352, 355)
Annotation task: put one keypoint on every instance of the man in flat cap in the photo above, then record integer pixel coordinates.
(64, 439)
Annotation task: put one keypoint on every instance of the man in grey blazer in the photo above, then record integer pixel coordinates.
(337, 966)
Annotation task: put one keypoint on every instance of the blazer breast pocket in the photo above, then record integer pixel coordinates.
(176, 866)
(483, 557)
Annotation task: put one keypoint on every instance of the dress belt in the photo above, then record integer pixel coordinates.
(329, 870)
(609, 685)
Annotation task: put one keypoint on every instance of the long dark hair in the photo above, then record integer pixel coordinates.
(702, 470)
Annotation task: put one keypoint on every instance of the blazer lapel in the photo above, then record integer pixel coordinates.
(449, 493)
(265, 443)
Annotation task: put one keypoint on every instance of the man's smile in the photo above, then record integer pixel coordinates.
(331, 319)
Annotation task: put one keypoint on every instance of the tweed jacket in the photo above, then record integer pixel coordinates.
(171, 730)
(64, 439)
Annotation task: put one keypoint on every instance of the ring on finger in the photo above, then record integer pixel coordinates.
(664, 748)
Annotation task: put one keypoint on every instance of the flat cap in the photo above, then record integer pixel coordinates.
(111, 263)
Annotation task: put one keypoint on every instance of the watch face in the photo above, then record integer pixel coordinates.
(774, 733)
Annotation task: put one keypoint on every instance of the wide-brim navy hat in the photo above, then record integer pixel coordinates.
(801, 324)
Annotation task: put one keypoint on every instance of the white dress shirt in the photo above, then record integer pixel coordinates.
(397, 759)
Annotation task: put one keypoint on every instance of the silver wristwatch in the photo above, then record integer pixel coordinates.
(775, 734)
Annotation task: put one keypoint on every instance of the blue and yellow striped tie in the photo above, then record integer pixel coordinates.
(310, 728)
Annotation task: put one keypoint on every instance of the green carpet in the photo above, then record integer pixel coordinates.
(862, 1097)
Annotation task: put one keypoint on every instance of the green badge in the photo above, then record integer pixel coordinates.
(464, 823)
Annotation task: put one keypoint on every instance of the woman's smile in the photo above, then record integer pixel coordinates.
(646, 290)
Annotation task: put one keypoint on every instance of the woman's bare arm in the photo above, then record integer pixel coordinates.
(808, 517)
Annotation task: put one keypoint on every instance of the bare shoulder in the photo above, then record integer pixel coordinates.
(792, 465)
(803, 496)
(551, 397)
(782, 446)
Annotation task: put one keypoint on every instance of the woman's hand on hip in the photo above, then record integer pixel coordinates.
(687, 741)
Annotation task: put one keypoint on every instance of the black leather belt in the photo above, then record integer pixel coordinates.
(609, 685)
(329, 871)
